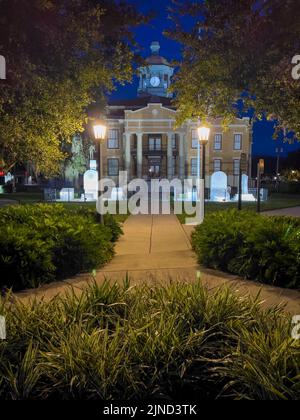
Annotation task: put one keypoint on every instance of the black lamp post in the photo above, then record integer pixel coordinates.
(100, 134)
(260, 170)
(203, 135)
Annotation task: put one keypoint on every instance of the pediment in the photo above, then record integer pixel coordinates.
(151, 111)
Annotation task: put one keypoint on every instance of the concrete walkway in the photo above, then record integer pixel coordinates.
(293, 211)
(156, 250)
(153, 242)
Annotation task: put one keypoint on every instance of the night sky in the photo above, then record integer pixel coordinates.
(263, 131)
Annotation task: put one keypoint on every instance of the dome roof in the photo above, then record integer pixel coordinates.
(155, 58)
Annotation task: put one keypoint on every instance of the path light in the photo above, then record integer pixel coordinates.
(100, 130)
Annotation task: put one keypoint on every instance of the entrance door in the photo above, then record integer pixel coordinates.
(154, 171)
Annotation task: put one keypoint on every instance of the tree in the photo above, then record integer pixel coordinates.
(238, 57)
(292, 161)
(61, 56)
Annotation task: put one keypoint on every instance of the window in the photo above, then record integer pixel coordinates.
(154, 143)
(113, 167)
(236, 166)
(194, 167)
(113, 139)
(237, 143)
(218, 142)
(217, 165)
(195, 139)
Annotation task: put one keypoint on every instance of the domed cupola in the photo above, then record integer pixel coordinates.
(155, 78)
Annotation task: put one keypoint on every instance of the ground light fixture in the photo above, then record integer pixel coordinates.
(203, 136)
(100, 130)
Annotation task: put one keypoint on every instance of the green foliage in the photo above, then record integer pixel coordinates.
(266, 249)
(178, 342)
(61, 56)
(238, 52)
(41, 243)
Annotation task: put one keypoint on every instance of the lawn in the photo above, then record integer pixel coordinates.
(23, 197)
(275, 201)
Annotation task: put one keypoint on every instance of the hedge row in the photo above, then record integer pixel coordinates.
(255, 247)
(41, 243)
(179, 342)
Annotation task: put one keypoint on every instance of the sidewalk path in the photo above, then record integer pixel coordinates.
(293, 211)
(157, 250)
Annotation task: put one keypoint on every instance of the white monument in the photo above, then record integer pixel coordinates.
(219, 188)
(90, 185)
(67, 194)
(8, 177)
(117, 194)
(245, 191)
(93, 165)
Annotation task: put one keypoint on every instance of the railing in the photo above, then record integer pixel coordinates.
(152, 151)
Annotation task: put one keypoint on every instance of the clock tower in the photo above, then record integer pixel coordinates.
(155, 78)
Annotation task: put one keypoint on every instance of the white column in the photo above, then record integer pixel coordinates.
(181, 156)
(170, 157)
(139, 155)
(128, 153)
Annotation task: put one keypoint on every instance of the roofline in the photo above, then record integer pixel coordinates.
(149, 105)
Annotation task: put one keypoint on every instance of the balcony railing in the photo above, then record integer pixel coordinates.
(154, 151)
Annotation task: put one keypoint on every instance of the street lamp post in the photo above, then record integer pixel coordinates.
(260, 170)
(100, 134)
(203, 136)
(279, 151)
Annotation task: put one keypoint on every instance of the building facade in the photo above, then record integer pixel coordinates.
(143, 140)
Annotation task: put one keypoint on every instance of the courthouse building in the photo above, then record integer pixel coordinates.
(142, 137)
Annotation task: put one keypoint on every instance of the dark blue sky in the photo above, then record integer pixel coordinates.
(263, 131)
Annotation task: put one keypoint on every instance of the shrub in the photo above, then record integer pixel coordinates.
(178, 342)
(252, 246)
(41, 243)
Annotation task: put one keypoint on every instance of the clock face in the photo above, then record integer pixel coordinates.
(155, 81)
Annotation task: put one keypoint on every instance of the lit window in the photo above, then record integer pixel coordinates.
(218, 142)
(195, 139)
(113, 139)
(237, 143)
(113, 167)
(236, 166)
(194, 167)
(217, 165)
